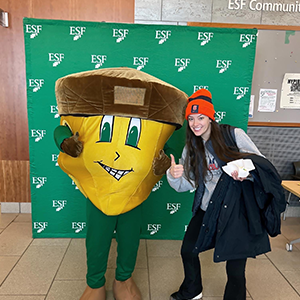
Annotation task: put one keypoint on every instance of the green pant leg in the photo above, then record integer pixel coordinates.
(100, 229)
(128, 239)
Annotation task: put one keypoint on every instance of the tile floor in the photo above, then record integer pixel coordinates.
(54, 269)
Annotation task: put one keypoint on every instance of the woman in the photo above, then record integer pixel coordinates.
(223, 208)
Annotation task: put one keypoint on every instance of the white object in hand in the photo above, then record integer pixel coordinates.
(242, 166)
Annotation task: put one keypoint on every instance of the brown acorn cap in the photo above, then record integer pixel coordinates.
(120, 91)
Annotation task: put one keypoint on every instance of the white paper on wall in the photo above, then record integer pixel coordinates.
(290, 91)
(251, 106)
(267, 100)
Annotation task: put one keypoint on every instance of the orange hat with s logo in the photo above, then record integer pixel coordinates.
(200, 103)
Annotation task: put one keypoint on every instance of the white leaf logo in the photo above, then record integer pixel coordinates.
(33, 35)
(38, 139)
(204, 42)
(76, 37)
(240, 96)
(222, 70)
(140, 67)
(56, 116)
(40, 230)
(97, 66)
(153, 232)
(162, 41)
(59, 208)
(120, 39)
(181, 69)
(56, 63)
(36, 89)
(38, 186)
(246, 44)
(78, 230)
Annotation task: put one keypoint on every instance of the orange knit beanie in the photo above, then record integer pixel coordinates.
(200, 103)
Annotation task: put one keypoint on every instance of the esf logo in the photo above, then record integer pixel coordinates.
(39, 181)
(34, 30)
(140, 62)
(54, 111)
(157, 186)
(54, 158)
(36, 84)
(220, 115)
(162, 35)
(173, 207)
(236, 4)
(56, 58)
(59, 204)
(198, 87)
(98, 60)
(77, 32)
(223, 65)
(247, 39)
(182, 63)
(40, 226)
(153, 228)
(78, 226)
(205, 37)
(120, 34)
(240, 92)
(38, 134)
(74, 184)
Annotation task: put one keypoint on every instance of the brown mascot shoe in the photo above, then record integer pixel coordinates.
(93, 294)
(126, 290)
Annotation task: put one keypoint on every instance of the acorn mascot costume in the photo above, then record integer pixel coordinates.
(114, 126)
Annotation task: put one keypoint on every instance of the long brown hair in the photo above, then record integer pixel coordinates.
(195, 157)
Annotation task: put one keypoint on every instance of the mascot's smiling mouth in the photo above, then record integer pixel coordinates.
(117, 174)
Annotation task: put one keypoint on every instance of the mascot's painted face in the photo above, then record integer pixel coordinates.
(114, 169)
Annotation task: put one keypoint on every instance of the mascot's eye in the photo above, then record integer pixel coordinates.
(133, 132)
(106, 129)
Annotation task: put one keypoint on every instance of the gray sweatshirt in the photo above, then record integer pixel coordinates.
(181, 184)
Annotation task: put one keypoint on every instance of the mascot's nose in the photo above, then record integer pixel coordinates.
(118, 155)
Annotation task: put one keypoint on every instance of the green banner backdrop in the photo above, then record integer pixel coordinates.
(189, 58)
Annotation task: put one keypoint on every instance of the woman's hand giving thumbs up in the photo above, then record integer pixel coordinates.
(176, 170)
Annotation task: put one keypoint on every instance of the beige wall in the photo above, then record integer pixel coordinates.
(215, 11)
(14, 153)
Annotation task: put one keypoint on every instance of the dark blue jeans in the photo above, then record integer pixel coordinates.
(192, 284)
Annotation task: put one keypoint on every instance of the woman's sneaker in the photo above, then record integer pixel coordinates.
(175, 296)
